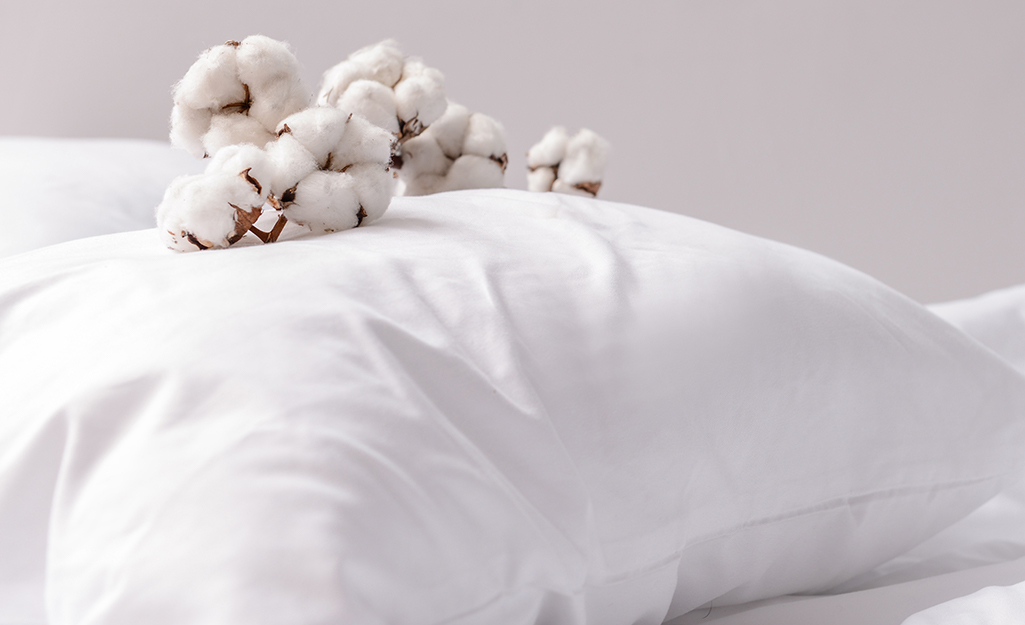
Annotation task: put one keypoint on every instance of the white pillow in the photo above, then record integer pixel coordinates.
(995, 319)
(487, 407)
(62, 189)
(992, 533)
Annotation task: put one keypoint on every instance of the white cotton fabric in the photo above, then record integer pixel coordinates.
(994, 605)
(491, 407)
(994, 533)
(56, 190)
(986, 548)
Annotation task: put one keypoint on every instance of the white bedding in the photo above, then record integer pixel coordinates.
(970, 572)
(489, 406)
(57, 190)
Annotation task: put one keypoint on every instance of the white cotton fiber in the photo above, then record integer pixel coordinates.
(449, 130)
(550, 151)
(374, 187)
(485, 137)
(292, 162)
(188, 127)
(439, 158)
(425, 184)
(319, 129)
(248, 161)
(325, 201)
(420, 95)
(586, 154)
(232, 130)
(470, 171)
(236, 93)
(564, 164)
(422, 155)
(381, 62)
(336, 80)
(373, 101)
(271, 71)
(212, 81)
(201, 212)
(540, 179)
(323, 167)
(362, 142)
(561, 186)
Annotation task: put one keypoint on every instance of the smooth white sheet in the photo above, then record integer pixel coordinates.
(488, 407)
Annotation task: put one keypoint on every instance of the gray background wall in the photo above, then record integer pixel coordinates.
(889, 134)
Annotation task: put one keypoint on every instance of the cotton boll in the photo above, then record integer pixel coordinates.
(550, 151)
(170, 205)
(449, 130)
(291, 162)
(422, 155)
(419, 96)
(460, 150)
(236, 93)
(568, 165)
(319, 129)
(485, 137)
(207, 211)
(586, 154)
(561, 186)
(540, 179)
(474, 172)
(337, 80)
(373, 101)
(248, 161)
(381, 62)
(362, 142)
(188, 126)
(233, 129)
(271, 72)
(374, 186)
(425, 184)
(212, 82)
(325, 201)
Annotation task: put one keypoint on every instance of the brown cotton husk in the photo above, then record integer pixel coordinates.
(588, 187)
(502, 160)
(244, 221)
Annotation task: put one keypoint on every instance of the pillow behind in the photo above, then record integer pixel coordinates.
(487, 407)
(62, 189)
